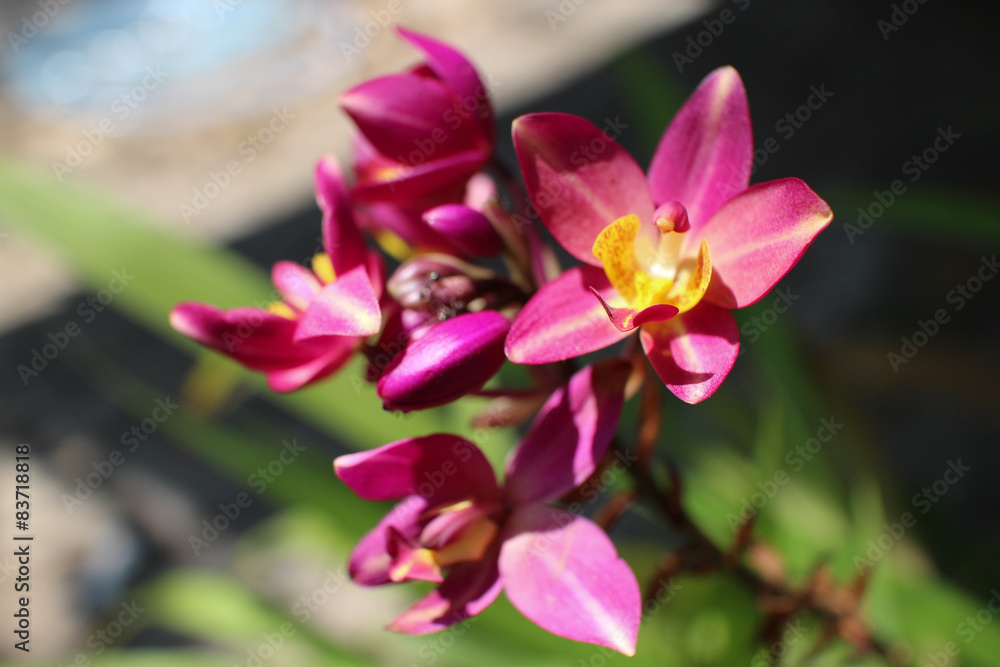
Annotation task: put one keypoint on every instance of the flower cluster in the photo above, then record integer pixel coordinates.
(668, 254)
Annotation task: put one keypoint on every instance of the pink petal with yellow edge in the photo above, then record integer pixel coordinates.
(693, 352)
(342, 239)
(759, 236)
(578, 178)
(370, 561)
(563, 319)
(706, 154)
(440, 468)
(397, 113)
(627, 319)
(345, 307)
(296, 284)
(569, 436)
(564, 574)
(468, 589)
(455, 70)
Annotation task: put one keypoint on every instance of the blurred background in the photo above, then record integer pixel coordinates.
(118, 121)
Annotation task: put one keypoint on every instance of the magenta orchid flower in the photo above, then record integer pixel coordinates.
(456, 526)
(425, 131)
(671, 253)
(324, 314)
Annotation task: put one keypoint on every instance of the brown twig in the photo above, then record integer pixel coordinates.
(838, 608)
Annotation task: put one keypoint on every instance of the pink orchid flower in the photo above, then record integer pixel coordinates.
(671, 253)
(425, 130)
(324, 313)
(458, 527)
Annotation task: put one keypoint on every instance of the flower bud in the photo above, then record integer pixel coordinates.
(469, 230)
(454, 358)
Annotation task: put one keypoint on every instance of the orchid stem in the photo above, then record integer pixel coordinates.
(777, 598)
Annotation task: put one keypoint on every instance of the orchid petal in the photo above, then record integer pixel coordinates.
(454, 358)
(564, 574)
(455, 70)
(398, 112)
(569, 436)
(693, 352)
(370, 561)
(338, 351)
(563, 319)
(342, 239)
(296, 284)
(403, 183)
(578, 178)
(256, 338)
(758, 236)
(706, 154)
(439, 468)
(468, 589)
(346, 307)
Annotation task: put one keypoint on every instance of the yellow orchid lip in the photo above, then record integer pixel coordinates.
(645, 266)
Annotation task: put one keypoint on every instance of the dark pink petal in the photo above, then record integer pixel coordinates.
(705, 156)
(627, 318)
(468, 229)
(563, 319)
(578, 178)
(256, 338)
(338, 351)
(693, 352)
(563, 573)
(468, 589)
(758, 236)
(440, 468)
(370, 561)
(569, 436)
(346, 307)
(454, 358)
(296, 284)
(405, 117)
(342, 239)
(404, 183)
(455, 70)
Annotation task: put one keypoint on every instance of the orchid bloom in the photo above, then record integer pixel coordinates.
(457, 527)
(671, 253)
(324, 315)
(425, 131)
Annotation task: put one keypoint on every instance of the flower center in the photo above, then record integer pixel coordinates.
(644, 262)
(461, 531)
